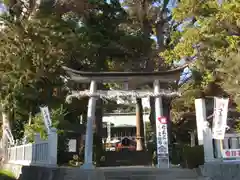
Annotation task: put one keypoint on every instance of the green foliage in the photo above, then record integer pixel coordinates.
(6, 175)
(208, 38)
(210, 33)
(231, 76)
(37, 56)
(32, 53)
(58, 121)
(237, 125)
(37, 125)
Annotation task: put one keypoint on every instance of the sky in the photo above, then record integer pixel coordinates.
(2, 7)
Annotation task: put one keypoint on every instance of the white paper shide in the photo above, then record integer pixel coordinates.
(220, 117)
(46, 118)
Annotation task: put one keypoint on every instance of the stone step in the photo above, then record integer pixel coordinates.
(130, 173)
(150, 174)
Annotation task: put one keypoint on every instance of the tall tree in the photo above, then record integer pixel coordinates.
(32, 52)
(209, 39)
(152, 19)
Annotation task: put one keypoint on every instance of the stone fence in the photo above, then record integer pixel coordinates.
(42, 152)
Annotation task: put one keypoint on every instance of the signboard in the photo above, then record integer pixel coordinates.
(46, 118)
(162, 140)
(230, 153)
(220, 117)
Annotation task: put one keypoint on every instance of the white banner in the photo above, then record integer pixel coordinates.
(9, 135)
(108, 131)
(162, 140)
(220, 117)
(46, 118)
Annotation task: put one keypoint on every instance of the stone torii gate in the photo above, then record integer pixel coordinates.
(132, 79)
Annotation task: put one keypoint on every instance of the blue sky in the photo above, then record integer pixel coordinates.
(2, 8)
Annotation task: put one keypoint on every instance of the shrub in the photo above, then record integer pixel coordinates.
(193, 156)
(58, 121)
(7, 175)
(176, 154)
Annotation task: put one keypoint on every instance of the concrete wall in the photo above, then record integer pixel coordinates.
(221, 171)
(210, 171)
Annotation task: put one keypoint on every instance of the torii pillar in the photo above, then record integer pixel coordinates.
(88, 152)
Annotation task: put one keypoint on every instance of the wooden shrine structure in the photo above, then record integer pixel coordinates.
(131, 80)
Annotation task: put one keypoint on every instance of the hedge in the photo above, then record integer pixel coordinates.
(6, 175)
(193, 156)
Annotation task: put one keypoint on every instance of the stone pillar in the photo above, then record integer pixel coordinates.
(203, 130)
(161, 131)
(208, 143)
(200, 110)
(218, 148)
(52, 147)
(37, 138)
(88, 155)
(234, 143)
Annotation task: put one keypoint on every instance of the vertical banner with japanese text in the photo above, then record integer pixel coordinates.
(108, 132)
(220, 117)
(46, 118)
(162, 141)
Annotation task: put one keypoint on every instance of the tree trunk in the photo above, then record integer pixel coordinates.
(98, 131)
(139, 125)
(5, 124)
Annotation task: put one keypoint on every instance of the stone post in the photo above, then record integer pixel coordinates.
(200, 110)
(234, 143)
(52, 147)
(218, 148)
(88, 156)
(37, 138)
(203, 130)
